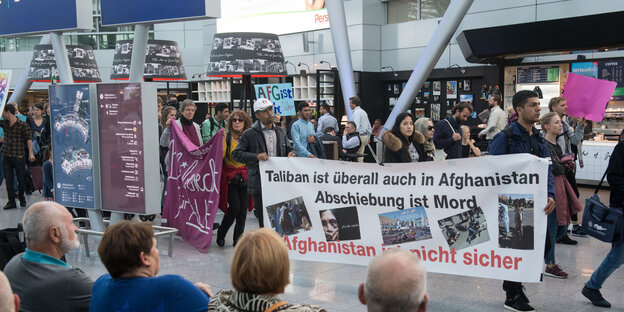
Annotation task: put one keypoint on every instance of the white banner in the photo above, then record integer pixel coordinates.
(479, 217)
(5, 83)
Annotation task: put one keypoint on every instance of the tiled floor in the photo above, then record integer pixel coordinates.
(334, 286)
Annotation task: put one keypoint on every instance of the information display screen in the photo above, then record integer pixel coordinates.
(19, 17)
(527, 75)
(121, 147)
(123, 12)
(72, 145)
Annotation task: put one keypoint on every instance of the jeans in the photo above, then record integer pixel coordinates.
(238, 201)
(612, 261)
(19, 165)
(555, 232)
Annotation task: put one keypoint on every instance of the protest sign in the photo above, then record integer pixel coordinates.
(192, 195)
(281, 95)
(587, 97)
(479, 217)
(5, 82)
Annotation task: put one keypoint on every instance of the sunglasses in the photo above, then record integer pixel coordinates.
(237, 120)
(430, 128)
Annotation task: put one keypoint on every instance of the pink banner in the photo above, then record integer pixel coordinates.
(587, 97)
(192, 197)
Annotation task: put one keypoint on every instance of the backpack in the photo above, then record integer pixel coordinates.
(10, 244)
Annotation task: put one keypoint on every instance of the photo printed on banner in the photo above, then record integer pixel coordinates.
(289, 217)
(404, 226)
(465, 229)
(246, 53)
(515, 221)
(340, 224)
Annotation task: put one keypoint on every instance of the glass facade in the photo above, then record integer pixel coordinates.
(400, 11)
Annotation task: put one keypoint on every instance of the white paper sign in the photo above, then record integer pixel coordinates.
(479, 217)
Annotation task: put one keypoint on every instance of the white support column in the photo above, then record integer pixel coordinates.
(340, 38)
(139, 46)
(62, 60)
(440, 39)
(23, 84)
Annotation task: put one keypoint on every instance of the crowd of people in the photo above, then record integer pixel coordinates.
(260, 265)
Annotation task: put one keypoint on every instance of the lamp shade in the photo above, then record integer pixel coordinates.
(163, 61)
(81, 61)
(254, 54)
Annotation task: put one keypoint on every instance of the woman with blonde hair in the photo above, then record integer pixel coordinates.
(468, 146)
(233, 182)
(260, 271)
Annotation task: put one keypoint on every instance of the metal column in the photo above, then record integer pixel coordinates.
(340, 38)
(139, 46)
(23, 84)
(442, 36)
(62, 60)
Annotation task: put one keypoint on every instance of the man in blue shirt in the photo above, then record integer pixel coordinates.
(326, 120)
(303, 132)
(524, 138)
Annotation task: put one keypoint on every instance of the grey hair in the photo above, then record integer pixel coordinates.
(185, 103)
(392, 288)
(39, 217)
(6, 295)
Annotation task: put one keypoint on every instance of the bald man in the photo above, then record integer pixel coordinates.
(396, 281)
(41, 279)
(9, 302)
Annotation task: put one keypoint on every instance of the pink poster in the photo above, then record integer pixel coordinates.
(587, 97)
(192, 196)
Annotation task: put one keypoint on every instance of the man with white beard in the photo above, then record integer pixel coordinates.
(42, 280)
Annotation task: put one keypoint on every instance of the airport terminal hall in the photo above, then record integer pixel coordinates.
(311, 155)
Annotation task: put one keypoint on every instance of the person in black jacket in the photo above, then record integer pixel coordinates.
(403, 143)
(615, 257)
(258, 143)
(447, 134)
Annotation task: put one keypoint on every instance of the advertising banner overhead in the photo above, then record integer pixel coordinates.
(163, 61)
(480, 217)
(192, 195)
(82, 62)
(29, 17)
(255, 54)
(270, 16)
(125, 12)
(73, 146)
(281, 95)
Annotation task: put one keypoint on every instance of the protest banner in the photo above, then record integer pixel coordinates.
(192, 195)
(479, 217)
(5, 82)
(281, 95)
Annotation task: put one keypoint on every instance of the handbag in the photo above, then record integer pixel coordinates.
(10, 244)
(600, 221)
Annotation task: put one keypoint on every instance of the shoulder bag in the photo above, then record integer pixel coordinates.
(600, 221)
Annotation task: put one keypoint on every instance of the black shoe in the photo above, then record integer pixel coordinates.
(519, 303)
(566, 241)
(9, 206)
(595, 297)
(220, 242)
(578, 231)
(22, 202)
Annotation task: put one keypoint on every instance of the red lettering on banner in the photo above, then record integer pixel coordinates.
(319, 19)
(491, 260)
(305, 246)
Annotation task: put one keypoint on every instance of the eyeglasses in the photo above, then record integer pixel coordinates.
(430, 128)
(237, 120)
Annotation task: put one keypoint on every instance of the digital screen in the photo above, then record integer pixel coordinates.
(121, 12)
(39, 16)
(121, 147)
(72, 145)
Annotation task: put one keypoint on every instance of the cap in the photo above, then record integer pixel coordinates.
(262, 104)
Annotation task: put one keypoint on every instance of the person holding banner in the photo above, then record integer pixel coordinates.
(404, 144)
(233, 190)
(260, 271)
(258, 143)
(522, 137)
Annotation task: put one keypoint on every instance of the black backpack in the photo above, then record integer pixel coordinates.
(11, 244)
